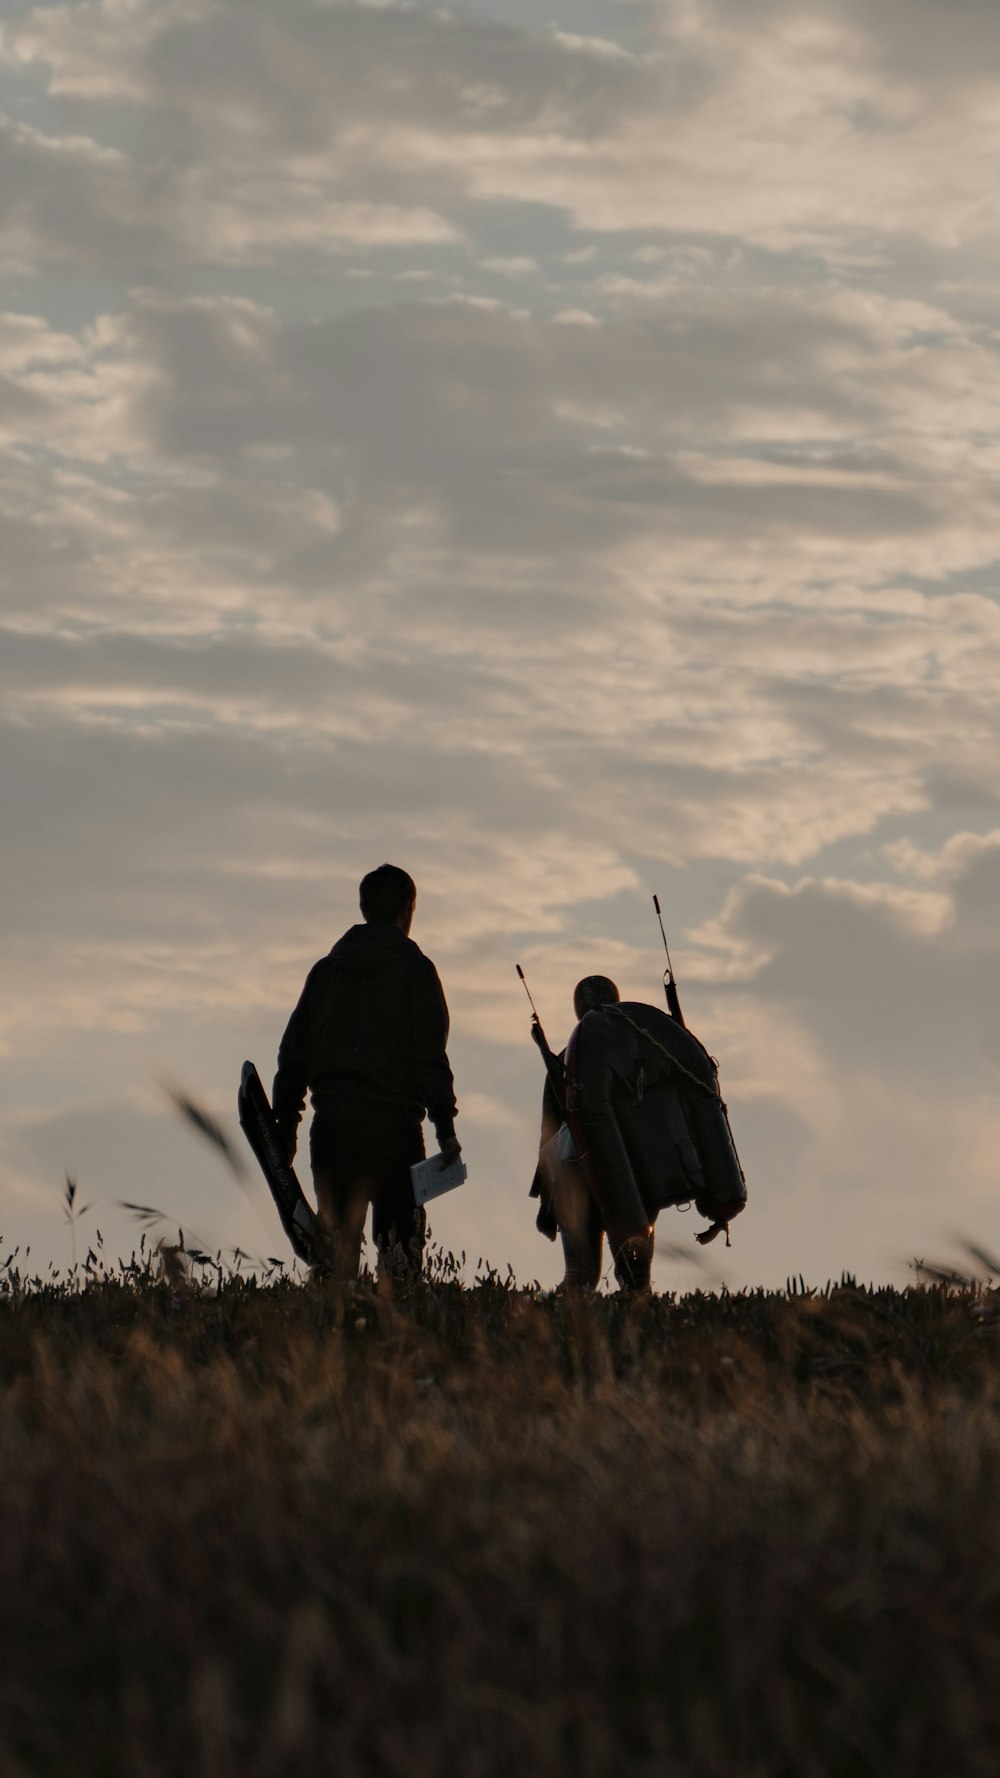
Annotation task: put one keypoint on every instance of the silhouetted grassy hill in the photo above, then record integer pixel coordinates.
(274, 1530)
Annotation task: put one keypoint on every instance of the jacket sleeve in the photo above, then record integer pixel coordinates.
(429, 1027)
(292, 1079)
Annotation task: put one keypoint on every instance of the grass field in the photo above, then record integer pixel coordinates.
(267, 1530)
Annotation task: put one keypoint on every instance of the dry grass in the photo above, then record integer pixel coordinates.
(277, 1530)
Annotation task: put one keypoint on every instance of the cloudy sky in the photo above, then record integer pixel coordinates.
(557, 452)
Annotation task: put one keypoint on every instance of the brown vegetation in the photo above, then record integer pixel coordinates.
(280, 1530)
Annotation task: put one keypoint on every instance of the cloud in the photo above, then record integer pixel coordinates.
(272, 133)
(304, 131)
(913, 39)
(467, 387)
(657, 544)
(300, 79)
(892, 981)
(69, 200)
(264, 528)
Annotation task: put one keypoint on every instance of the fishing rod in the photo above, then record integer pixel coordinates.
(553, 1067)
(669, 981)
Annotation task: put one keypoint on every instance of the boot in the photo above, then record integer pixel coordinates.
(634, 1262)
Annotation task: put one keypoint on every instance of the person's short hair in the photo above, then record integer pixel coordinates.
(386, 893)
(592, 992)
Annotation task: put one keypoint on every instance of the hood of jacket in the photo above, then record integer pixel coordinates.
(367, 950)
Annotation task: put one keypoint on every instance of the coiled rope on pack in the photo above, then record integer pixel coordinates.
(695, 1079)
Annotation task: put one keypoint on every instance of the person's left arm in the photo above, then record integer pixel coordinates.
(429, 1027)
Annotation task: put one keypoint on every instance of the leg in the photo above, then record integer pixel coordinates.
(579, 1225)
(398, 1224)
(342, 1206)
(399, 1230)
(634, 1262)
(343, 1185)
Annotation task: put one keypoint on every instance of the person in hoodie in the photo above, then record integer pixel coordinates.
(368, 1040)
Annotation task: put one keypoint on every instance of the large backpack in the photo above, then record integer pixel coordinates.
(643, 1102)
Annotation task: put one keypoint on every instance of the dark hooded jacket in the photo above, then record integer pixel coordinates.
(368, 1036)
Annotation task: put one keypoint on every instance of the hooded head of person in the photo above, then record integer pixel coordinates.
(592, 992)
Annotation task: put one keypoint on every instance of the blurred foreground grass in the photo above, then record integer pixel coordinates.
(277, 1530)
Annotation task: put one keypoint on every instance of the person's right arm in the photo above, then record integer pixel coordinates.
(292, 1079)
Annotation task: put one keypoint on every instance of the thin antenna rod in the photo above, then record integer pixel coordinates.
(666, 947)
(527, 990)
(669, 982)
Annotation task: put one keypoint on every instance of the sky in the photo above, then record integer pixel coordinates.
(557, 452)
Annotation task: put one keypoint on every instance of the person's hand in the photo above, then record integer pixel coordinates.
(451, 1151)
(536, 1033)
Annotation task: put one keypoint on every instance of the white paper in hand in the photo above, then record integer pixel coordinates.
(430, 1179)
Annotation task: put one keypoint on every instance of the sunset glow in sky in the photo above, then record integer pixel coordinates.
(559, 454)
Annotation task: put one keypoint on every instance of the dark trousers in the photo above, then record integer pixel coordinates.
(356, 1163)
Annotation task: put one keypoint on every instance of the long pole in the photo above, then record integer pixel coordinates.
(534, 1009)
(552, 1065)
(669, 982)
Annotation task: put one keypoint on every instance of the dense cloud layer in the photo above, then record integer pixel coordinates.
(560, 459)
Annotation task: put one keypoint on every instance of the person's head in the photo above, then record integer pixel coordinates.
(594, 991)
(388, 896)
